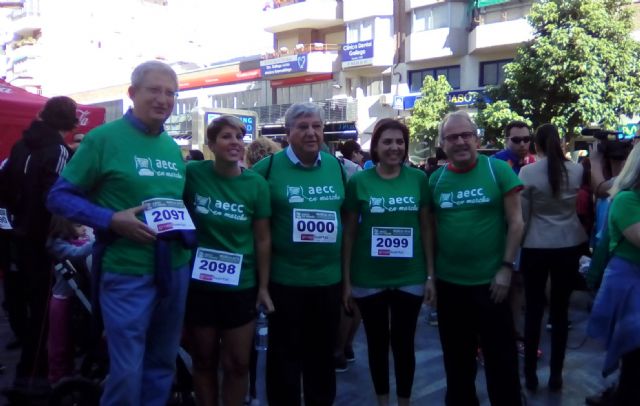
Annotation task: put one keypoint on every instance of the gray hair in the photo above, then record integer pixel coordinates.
(457, 115)
(298, 110)
(140, 71)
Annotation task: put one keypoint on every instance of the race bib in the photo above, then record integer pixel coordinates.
(392, 242)
(319, 226)
(164, 215)
(4, 220)
(217, 267)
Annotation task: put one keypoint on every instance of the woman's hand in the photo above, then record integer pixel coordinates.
(346, 297)
(264, 299)
(430, 296)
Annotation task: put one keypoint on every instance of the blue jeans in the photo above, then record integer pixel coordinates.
(143, 334)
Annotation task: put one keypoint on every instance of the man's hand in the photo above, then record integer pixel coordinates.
(500, 285)
(126, 224)
(430, 297)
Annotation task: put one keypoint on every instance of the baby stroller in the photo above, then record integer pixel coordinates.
(85, 389)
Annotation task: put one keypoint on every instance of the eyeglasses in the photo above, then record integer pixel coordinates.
(466, 136)
(157, 91)
(518, 140)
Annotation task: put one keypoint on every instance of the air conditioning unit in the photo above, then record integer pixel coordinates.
(384, 100)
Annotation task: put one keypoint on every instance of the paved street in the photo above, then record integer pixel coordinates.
(582, 368)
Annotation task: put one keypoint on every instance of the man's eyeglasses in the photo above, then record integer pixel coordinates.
(518, 140)
(157, 91)
(466, 136)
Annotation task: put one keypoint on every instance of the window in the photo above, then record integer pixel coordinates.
(360, 30)
(492, 73)
(430, 18)
(452, 73)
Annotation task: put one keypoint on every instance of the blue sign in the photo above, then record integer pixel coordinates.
(248, 121)
(464, 97)
(284, 65)
(628, 131)
(357, 53)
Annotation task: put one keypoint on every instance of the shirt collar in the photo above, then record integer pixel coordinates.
(469, 168)
(296, 161)
(138, 124)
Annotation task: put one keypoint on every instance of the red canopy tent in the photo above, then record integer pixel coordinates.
(19, 107)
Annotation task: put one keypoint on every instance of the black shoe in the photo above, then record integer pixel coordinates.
(13, 345)
(555, 382)
(349, 354)
(604, 398)
(340, 364)
(531, 381)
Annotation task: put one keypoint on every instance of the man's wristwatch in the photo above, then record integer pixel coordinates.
(509, 265)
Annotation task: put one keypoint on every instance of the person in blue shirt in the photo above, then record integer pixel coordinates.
(517, 136)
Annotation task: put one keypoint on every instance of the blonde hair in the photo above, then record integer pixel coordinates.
(629, 177)
(258, 149)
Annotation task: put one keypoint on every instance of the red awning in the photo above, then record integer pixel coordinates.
(19, 107)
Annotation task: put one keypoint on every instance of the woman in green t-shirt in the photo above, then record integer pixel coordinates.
(387, 256)
(615, 317)
(230, 209)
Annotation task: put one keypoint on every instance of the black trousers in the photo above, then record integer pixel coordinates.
(628, 392)
(390, 317)
(35, 266)
(468, 319)
(302, 337)
(561, 265)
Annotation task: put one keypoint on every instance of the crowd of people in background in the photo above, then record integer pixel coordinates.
(174, 248)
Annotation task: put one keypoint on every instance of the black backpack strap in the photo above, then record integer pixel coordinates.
(266, 175)
(342, 174)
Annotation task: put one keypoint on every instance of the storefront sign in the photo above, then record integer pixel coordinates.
(248, 121)
(628, 130)
(284, 65)
(464, 97)
(356, 53)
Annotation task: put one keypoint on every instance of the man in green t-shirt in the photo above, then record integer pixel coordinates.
(476, 206)
(307, 191)
(126, 181)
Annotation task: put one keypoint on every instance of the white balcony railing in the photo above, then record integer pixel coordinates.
(438, 43)
(313, 14)
(497, 36)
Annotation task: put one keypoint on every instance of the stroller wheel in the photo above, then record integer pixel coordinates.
(76, 392)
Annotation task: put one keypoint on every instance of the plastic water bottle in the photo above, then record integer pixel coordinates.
(262, 331)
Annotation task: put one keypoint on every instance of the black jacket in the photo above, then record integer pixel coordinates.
(34, 165)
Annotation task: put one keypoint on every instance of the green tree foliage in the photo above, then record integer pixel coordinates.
(581, 67)
(493, 118)
(429, 110)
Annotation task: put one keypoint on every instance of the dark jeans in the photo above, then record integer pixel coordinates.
(561, 264)
(468, 319)
(628, 393)
(35, 266)
(302, 337)
(390, 317)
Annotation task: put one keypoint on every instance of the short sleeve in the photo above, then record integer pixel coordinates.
(625, 210)
(263, 200)
(83, 170)
(351, 195)
(505, 176)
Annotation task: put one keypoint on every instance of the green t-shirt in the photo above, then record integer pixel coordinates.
(388, 208)
(119, 167)
(624, 212)
(223, 211)
(470, 220)
(305, 252)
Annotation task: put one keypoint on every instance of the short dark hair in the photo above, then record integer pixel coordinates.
(388, 124)
(224, 121)
(195, 155)
(59, 113)
(349, 148)
(515, 124)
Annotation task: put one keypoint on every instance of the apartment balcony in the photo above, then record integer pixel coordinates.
(360, 9)
(438, 43)
(309, 14)
(505, 35)
(24, 21)
(305, 58)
